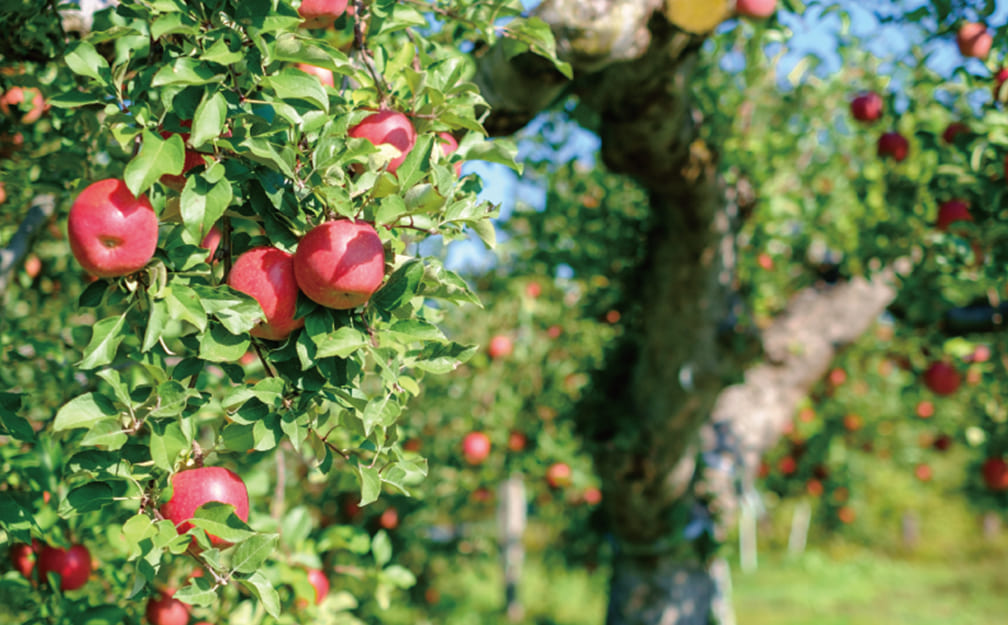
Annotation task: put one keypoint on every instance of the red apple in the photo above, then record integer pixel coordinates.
(388, 128)
(558, 475)
(500, 346)
(320, 583)
(194, 487)
(867, 107)
(73, 565)
(592, 496)
(533, 290)
(925, 409)
(951, 211)
(33, 266)
(942, 442)
(23, 558)
(12, 101)
(517, 441)
(475, 447)
(340, 264)
(389, 519)
(323, 74)
(974, 40)
(953, 130)
(942, 378)
(3, 193)
(846, 514)
(211, 241)
(893, 145)
(112, 232)
(923, 472)
(321, 13)
(756, 8)
(267, 274)
(981, 353)
(814, 487)
(554, 332)
(787, 465)
(166, 610)
(995, 474)
(449, 145)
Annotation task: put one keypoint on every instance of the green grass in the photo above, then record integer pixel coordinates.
(865, 588)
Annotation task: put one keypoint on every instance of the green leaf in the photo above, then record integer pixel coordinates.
(106, 335)
(185, 71)
(176, 22)
(219, 345)
(442, 358)
(184, 305)
(156, 158)
(208, 122)
(16, 520)
(106, 434)
(416, 330)
(293, 84)
(202, 204)
(197, 592)
(370, 484)
(157, 319)
(84, 411)
(166, 443)
(13, 424)
(263, 589)
(402, 286)
(381, 548)
(220, 520)
(340, 343)
(398, 576)
(382, 412)
(85, 498)
(249, 555)
(73, 99)
(236, 311)
(84, 60)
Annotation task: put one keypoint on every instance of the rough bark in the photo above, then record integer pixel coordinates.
(666, 379)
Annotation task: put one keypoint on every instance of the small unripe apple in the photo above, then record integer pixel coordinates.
(267, 275)
(893, 145)
(756, 8)
(73, 565)
(340, 264)
(13, 98)
(388, 128)
(194, 487)
(558, 475)
(952, 211)
(165, 609)
(475, 447)
(112, 232)
(321, 13)
(320, 583)
(995, 474)
(974, 40)
(323, 74)
(942, 378)
(867, 107)
(953, 130)
(500, 346)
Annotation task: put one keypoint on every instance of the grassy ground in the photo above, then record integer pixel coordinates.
(865, 588)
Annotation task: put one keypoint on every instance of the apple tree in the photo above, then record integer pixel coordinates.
(247, 186)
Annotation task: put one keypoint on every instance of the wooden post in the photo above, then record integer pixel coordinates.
(799, 528)
(511, 520)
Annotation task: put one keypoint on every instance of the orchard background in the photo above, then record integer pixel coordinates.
(747, 279)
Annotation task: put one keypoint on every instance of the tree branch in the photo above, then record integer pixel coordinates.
(43, 207)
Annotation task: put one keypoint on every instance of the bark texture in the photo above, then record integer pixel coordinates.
(667, 378)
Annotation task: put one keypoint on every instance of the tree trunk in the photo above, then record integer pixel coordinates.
(663, 382)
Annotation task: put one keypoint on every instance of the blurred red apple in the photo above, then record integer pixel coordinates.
(942, 378)
(164, 609)
(211, 241)
(501, 346)
(558, 475)
(448, 146)
(974, 40)
(340, 264)
(893, 145)
(952, 211)
(995, 474)
(73, 565)
(323, 74)
(867, 107)
(112, 232)
(953, 130)
(320, 583)
(16, 98)
(475, 447)
(22, 556)
(756, 8)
